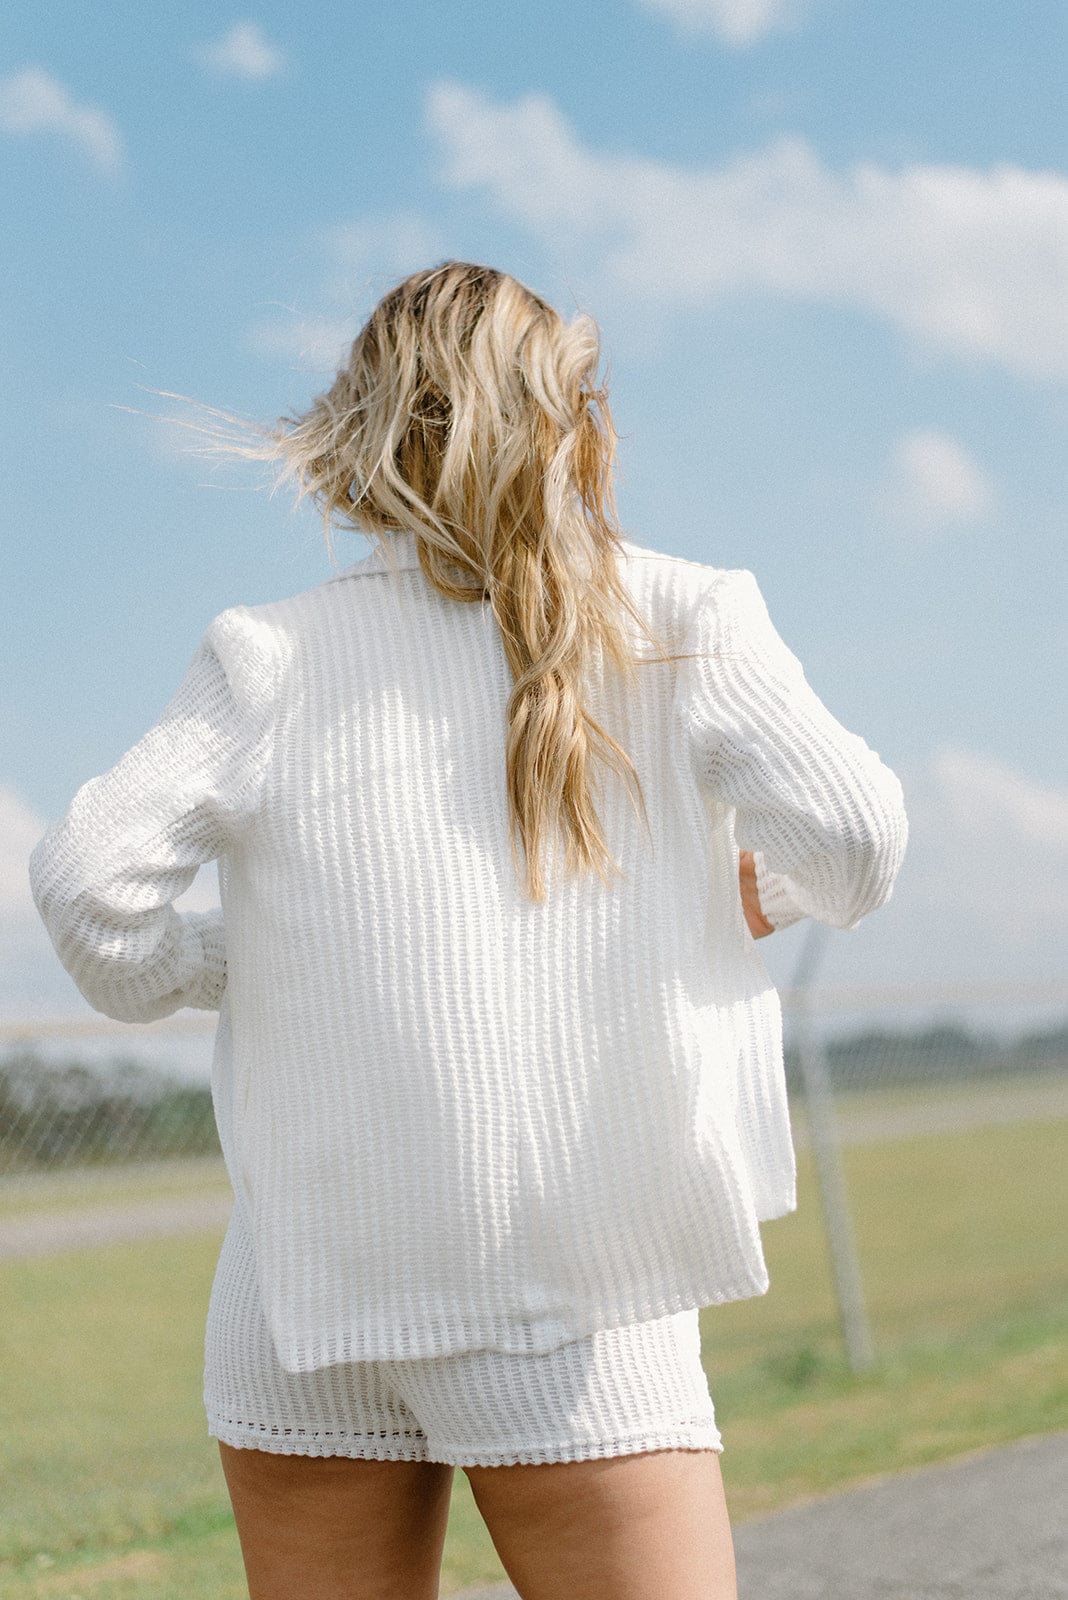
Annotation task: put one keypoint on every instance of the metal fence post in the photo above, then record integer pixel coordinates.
(827, 1151)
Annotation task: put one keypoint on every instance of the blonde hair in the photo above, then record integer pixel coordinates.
(469, 413)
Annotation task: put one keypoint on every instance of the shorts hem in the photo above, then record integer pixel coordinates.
(581, 1450)
(410, 1447)
(318, 1442)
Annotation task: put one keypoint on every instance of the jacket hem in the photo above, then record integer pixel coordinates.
(511, 1336)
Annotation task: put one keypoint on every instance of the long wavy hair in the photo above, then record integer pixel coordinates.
(470, 414)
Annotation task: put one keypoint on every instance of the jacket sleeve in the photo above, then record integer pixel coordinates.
(104, 877)
(823, 815)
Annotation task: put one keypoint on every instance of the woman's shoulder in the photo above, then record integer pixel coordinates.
(273, 622)
(258, 642)
(644, 552)
(687, 568)
(681, 584)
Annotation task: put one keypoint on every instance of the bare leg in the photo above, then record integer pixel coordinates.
(632, 1527)
(338, 1528)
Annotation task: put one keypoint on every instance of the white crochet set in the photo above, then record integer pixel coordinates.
(456, 1119)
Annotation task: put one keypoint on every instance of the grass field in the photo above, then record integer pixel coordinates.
(113, 1490)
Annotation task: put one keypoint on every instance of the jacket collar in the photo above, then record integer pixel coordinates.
(404, 548)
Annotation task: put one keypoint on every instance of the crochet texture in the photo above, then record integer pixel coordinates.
(456, 1118)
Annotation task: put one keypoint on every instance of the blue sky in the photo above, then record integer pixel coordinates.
(827, 246)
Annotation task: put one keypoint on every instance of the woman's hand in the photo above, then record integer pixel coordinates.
(759, 926)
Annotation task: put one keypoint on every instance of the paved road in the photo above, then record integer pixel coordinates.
(992, 1525)
(42, 1233)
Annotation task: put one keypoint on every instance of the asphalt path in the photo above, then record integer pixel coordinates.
(43, 1233)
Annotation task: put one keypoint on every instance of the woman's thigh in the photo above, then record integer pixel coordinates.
(630, 1527)
(338, 1527)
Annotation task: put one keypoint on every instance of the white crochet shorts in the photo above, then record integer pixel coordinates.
(613, 1392)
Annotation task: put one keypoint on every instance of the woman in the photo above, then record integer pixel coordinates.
(498, 1073)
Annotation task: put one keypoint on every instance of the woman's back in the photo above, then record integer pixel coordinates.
(415, 1033)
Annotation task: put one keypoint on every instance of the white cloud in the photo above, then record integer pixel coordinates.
(314, 343)
(735, 22)
(996, 804)
(934, 484)
(991, 860)
(362, 260)
(969, 261)
(243, 51)
(20, 829)
(33, 101)
(366, 252)
(981, 895)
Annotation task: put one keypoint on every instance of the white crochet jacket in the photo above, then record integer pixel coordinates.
(457, 1118)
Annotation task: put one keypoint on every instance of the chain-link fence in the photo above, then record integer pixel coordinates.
(89, 1092)
(82, 1093)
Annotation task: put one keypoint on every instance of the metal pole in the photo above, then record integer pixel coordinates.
(827, 1150)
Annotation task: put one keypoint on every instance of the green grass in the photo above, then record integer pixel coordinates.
(113, 1488)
